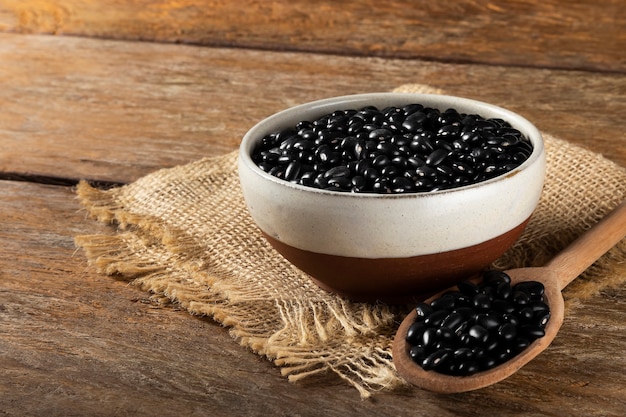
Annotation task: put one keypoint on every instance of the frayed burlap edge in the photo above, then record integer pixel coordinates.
(321, 335)
(355, 339)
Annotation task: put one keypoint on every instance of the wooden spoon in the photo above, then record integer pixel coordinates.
(555, 276)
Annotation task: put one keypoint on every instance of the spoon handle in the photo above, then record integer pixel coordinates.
(594, 243)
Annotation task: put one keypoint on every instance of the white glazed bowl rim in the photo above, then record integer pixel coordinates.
(315, 109)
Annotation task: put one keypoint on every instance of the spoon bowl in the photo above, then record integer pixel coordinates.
(442, 383)
(555, 276)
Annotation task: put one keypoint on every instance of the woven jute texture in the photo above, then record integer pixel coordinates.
(184, 235)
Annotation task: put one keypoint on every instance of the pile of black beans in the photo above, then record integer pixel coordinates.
(478, 326)
(394, 150)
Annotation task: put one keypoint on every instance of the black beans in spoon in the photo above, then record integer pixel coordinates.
(394, 150)
(478, 326)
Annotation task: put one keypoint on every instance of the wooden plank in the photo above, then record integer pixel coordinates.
(114, 111)
(77, 343)
(585, 34)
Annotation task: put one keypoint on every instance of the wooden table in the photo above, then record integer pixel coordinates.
(110, 91)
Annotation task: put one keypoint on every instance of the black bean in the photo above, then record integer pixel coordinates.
(465, 311)
(425, 171)
(507, 331)
(423, 184)
(503, 306)
(414, 121)
(542, 319)
(533, 288)
(511, 318)
(436, 157)
(338, 171)
(402, 185)
(462, 353)
(399, 161)
(539, 307)
(320, 181)
(362, 165)
(436, 318)
(435, 359)
(481, 301)
(359, 182)
(270, 156)
(422, 143)
(285, 159)
(520, 297)
(467, 368)
(423, 309)
(292, 171)
(496, 276)
(453, 321)
(445, 334)
(340, 182)
(520, 343)
(429, 337)
(488, 362)
(525, 314)
(371, 174)
(381, 161)
(448, 130)
(443, 144)
(460, 180)
(415, 162)
(417, 353)
(445, 302)
(380, 134)
(468, 288)
(288, 142)
(488, 321)
(382, 186)
(415, 332)
(412, 108)
(390, 171)
(307, 178)
(462, 168)
(446, 171)
(266, 166)
(504, 290)
(532, 331)
(502, 354)
(492, 344)
(459, 145)
(304, 144)
(478, 333)
(327, 135)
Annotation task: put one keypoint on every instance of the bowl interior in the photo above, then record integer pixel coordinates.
(313, 110)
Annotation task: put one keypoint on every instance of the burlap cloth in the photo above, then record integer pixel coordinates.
(184, 235)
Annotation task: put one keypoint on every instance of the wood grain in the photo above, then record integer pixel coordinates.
(585, 34)
(77, 343)
(129, 87)
(71, 107)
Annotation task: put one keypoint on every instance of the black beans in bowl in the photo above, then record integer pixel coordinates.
(405, 149)
(478, 326)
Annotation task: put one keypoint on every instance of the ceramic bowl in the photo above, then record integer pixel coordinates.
(391, 247)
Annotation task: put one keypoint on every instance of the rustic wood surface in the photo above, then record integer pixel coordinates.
(585, 34)
(123, 97)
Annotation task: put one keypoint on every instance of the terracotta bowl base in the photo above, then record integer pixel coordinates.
(396, 280)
